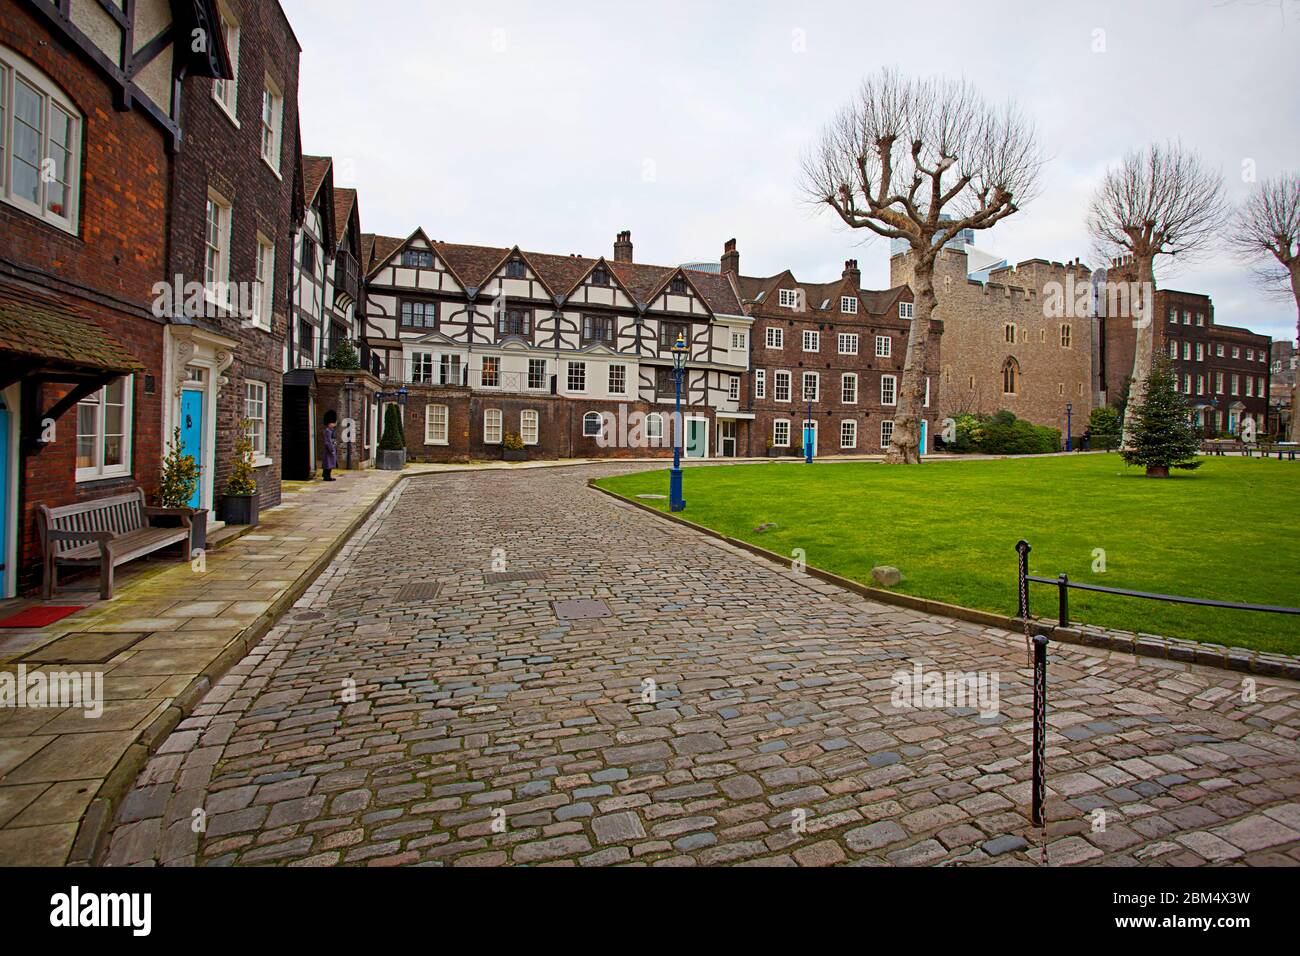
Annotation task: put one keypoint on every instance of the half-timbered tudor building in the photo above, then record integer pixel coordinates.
(234, 204)
(828, 360)
(90, 119)
(570, 353)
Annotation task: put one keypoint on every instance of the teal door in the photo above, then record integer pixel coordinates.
(697, 437)
(925, 433)
(810, 437)
(4, 498)
(192, 434)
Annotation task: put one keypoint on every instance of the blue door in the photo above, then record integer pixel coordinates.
(192, 434)
(4, 498)
(925, 433)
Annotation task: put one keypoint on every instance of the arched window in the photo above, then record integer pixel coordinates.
(591, 425)
(40, 144)
(1010, 377)
(654, 426)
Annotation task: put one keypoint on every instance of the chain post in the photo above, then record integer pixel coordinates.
(1040, 733)
(1063, 603)
(1023, 549)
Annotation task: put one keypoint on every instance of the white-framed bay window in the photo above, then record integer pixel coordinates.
(40, 144)
(528, 426)
(435, 424)
(255, 417)
(104, 426)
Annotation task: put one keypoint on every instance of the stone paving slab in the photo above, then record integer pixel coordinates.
(728, 712)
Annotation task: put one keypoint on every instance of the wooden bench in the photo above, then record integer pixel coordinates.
(1287, 449)
(104, 533)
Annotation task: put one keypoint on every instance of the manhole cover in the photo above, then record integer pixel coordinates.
(309, 615)
(422, 591)
(85, 647)
(580, 609)
(501, 577)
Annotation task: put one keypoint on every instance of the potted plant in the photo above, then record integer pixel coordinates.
(392, 444)
(344, 356)
(512, 448)
(180, 476)
(772, 450)
(241, 501)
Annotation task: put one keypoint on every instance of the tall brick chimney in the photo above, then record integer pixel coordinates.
(853, 273)
(623, 246)
(730, 258)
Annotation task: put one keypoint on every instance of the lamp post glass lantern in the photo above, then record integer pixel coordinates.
(675, 500)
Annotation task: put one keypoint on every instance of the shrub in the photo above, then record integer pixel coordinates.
(344, 356)
(180, 475)
(1003, 434)
(243, 478)
(393, 439)
(513, 442)
(1104, 427)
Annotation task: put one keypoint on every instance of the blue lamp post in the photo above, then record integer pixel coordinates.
(1069, 430)
(675, 501)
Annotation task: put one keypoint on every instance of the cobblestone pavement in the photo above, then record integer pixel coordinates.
(487, 730)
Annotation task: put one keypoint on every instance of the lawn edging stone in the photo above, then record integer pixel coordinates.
(1241, 659)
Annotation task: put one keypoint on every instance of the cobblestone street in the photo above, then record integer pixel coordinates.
(382, 723)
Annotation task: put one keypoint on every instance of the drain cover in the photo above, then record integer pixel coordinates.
(581, 609)
(501, 577)
(423, 591)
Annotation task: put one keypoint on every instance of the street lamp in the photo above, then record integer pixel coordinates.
(680, 350)
(1069, 410)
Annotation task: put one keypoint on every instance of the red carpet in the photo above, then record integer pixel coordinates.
(39, 616)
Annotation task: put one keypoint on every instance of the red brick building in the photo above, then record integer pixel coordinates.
(82, 246)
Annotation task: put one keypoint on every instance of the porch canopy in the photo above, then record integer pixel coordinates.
(42, 341)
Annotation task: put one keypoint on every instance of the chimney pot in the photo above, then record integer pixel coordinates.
(730, 258)
(623, 246)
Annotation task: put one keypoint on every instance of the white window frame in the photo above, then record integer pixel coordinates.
(226, 92)
(813, 336)
(263, 285)
(98, 470)
(654, 427)
(847, 342)
(252, 385)
(888, 390)
(816, 387)
(619, 388)
(884, 346)
(422, 362)
(886, 431)
(787, 298)
(492, 426)
(12, 69)
(778, 377)
(906, 310)
(216, 280)
(851, 427)
(849, 388)
(273, 129)
(528, 382)
(774, 338)
(760, 383)
(436, 424)
(529, 426)
(739, 341)
(600, 424)
(733, 388)
(849, 305)
(495, 365)
(569, 377)
(777, 441)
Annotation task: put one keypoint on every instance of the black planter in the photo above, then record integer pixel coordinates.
(774, 453)
(198, 530)
(514, 454)
(240, 509)
(390, 460)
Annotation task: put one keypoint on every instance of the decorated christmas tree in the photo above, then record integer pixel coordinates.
(1163, 436)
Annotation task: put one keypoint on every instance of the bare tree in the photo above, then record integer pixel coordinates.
(1266, 233)
(1161, 201)
(921, 160)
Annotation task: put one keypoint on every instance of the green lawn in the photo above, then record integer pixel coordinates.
(1225, 531)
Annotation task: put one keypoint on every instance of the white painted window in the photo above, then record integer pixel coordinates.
(577, 377)
(226, 92)
(848, 433)
(888, 390)
(1173, 350)
(848, 342)
(1187, 317)
(1200, 351)
(739, 341)
(849, 388)
(528, 426)
(927, 391)
(1235, 385)
(848, 305)
(781, 433)
(1218, 382)
(1200, 318)
(435, 424)
(491, 374)
(255, 415)
(264, 284)
(537, 373)
(787, 298)
(1218, 350)
(886, 432)
(40, 144)
(654, 426)
(1187, 351)
(811, 386)
(1236, 352)
(1173, 316)
(492, 426)
(449, 370)
(1250, 355)
(104, 424)
(775, 337)
(760, 383)
(733, 388)
(216, 248)
(592, 425)
(421, 364)
(1200, 384)
(618, 379)
(905, 310)
(272, 120)
(1250, 386)
(884, 346)
(812, 341)
(781, 386)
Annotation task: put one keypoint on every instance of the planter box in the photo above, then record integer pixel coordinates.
(392, 460)
(241, 509)
(198, 530)
(514, 454)
(774, 453)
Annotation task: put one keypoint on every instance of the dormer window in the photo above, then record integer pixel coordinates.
(515, 269)
(787, 298)
(417, 259)
(848, 305)
(905, 310)
(600, 276)
(677, 286)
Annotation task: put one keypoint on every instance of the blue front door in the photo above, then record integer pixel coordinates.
(924, 435)
(4, 498)
(192, 434)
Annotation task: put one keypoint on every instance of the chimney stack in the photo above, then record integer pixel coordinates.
(730, 258)
(853, 273)
(623, 246)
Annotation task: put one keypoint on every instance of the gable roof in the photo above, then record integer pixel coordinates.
(760, 293)
(314, 169)
(344, 201)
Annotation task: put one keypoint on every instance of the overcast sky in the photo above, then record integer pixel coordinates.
(555, 125)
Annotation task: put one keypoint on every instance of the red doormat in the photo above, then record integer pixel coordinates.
(40, 616)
